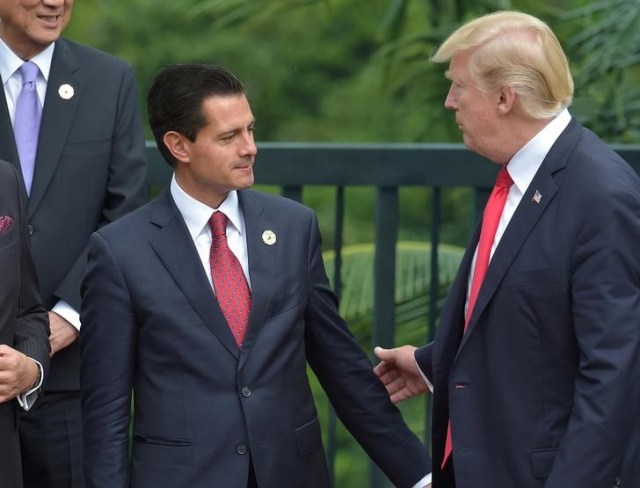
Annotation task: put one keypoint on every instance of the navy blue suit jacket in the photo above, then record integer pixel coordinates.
(544, 388)
(203, 406)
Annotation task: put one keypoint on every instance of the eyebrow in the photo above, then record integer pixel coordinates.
(236, 130)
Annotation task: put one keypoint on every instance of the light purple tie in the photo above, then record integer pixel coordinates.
(27, 121)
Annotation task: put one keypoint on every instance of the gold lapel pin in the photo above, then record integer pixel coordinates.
(66, 91)
(269, 237)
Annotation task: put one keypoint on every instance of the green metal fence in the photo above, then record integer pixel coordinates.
(387, 168)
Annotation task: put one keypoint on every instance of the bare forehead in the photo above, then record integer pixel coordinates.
(228, 110)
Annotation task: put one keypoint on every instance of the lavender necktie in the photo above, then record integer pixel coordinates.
(27, 121)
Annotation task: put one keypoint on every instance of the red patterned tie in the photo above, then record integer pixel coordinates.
(229, 282)
(490, 221)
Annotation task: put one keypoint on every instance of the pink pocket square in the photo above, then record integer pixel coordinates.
(5, 223)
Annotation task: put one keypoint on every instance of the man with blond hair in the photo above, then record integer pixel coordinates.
(535, 367)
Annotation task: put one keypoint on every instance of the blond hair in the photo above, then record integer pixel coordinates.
(516, 50)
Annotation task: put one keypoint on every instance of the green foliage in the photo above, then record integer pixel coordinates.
(606, 55)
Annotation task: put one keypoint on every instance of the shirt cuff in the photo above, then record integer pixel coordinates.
(68, 313)
(27, 399)
(424, 482)
(429, 385)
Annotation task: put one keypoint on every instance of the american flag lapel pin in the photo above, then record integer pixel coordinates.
(536, 197)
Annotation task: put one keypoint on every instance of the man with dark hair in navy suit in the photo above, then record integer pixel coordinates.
(209, 303)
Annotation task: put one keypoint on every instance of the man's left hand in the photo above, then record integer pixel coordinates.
(62, 333)
(18, 373)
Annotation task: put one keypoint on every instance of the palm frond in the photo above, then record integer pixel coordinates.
(413, 281)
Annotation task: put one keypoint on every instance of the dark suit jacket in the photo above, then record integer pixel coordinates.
(23, 320)
(544, 388)
(202, 406)
(90, 170)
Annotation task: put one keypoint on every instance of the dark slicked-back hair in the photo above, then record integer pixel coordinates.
(177, 95)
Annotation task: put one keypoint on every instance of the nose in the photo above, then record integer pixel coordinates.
(54, 3)
(248, 147)
(451, 102)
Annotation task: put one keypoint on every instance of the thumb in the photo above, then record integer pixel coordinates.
(382, 354)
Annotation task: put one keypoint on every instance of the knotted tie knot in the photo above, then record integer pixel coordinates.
(29, 72)
(218, 223)
(503, 179)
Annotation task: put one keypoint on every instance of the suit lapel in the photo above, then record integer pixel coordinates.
(174, 247)
(8, 149)
(529, 211)
(517, 232)
(261, 266)
(57, 117)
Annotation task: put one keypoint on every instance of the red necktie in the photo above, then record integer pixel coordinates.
(229, 282)
(490, 221)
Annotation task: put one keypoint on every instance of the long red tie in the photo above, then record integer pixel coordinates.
(490, 221)
(229, 282)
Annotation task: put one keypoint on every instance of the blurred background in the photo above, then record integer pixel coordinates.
(358, 71)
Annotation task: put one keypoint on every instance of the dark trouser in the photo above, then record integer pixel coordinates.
(51, 442)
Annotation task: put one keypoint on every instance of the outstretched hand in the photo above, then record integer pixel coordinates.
(399, 372)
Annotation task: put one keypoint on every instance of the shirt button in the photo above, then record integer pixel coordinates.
(241, 449)
(246, 392)
(30, 230)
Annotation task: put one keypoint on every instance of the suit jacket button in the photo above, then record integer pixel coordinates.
(30, 230)
(246, 392)
(616, 482)
(241, 449)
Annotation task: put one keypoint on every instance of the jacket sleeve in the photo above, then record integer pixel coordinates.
(127, 179)
(107, 342)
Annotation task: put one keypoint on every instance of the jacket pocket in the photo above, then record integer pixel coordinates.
(308, 437)
(542, 461)
(164, 451)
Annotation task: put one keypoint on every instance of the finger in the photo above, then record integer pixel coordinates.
(381, 368)
(400, 396)
(389, 376)
(395, 386)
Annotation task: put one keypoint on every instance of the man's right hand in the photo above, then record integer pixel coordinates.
(399, 372)
(62, 333)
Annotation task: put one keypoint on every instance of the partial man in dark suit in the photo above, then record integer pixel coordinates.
(24, 330)
(89, 169)
(213, 334)
(535, 368)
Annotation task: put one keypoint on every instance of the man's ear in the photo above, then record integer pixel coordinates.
(177, 144)
(507, 100)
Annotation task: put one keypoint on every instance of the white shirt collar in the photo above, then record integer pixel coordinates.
(196, 214)
(10, 61)
(525, 163)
